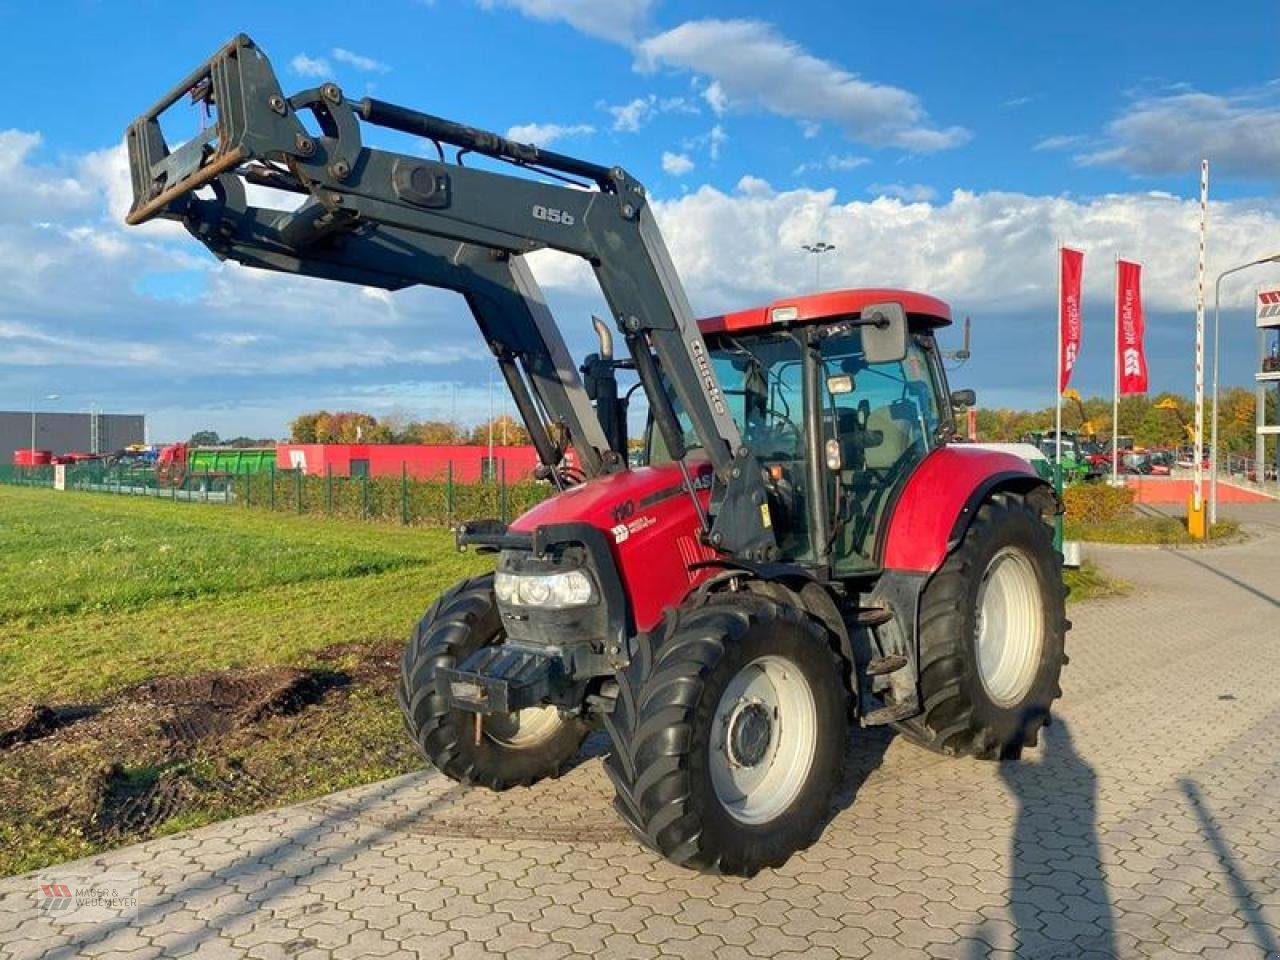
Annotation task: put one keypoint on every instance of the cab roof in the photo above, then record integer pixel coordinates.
(920, 307)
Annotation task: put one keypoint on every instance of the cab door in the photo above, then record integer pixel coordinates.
(885, 417)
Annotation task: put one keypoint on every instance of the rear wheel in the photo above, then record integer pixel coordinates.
(514, 749)
(992, 628)
(728, 734)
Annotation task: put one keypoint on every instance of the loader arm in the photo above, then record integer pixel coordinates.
(391, 220)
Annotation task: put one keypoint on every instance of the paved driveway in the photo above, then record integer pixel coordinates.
(1147, 824)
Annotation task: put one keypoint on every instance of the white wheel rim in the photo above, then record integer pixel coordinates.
(524, 728)
(763, 740)
(1010, 627)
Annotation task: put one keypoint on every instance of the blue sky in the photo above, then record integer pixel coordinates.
(940, 145)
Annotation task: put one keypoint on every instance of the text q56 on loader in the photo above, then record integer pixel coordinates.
(802, 546)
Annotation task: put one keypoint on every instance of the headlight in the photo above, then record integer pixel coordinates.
(573, 588)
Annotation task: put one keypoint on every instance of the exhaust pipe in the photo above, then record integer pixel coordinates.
(606, 337)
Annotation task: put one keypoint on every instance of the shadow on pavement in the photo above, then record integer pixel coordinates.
(1059, 901)
(863, 755)
(1248, 908)
(1226, 576)
(267, 873)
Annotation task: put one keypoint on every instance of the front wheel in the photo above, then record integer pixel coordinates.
(507, 750)
(728, 734)
(992, 631)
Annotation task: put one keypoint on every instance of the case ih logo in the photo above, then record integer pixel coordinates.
(57, 897)
(1132, 363)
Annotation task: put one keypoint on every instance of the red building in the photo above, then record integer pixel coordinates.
(423, 462)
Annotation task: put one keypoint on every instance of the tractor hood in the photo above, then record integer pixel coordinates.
(650, 524)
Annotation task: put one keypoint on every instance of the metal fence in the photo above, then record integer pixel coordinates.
(400, 499)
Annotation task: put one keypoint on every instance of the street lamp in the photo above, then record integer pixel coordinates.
(50, 396)
(818, 248)
(1213, 429)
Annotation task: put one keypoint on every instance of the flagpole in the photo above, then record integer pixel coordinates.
(1057, 386)
(1197, 527)
(1115, 395)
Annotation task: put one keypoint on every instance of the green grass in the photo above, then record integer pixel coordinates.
(75, 553)
(1087, 582)
(99, 591)
(1144, 530)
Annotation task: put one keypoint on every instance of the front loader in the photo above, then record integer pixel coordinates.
(801, 546)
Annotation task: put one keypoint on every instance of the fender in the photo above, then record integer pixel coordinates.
(939, 500)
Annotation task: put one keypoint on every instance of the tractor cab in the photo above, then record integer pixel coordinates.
(836, 421)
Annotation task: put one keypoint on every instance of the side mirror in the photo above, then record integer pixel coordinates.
(960, 399)
(884, 333)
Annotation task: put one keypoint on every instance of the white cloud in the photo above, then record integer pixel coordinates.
(544, 134)
(1169, 134)
(907, 192)
(306, 66)
(839, 163)
(754, 186)
(676, 164)
(716, 138)
(1060, 141)
(716, 98)
(360, 62)
(747, 61)
(618, 20)
(631, 116)
(74, 306)
(985, 251)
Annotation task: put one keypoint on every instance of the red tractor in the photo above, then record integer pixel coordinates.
(802, 548)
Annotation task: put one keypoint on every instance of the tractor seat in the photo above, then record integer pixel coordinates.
(894, 437)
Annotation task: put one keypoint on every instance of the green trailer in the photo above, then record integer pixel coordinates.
(179, 464)
(229, 460)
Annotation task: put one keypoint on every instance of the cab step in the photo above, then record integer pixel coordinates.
(891, 711)
(873, 616)
(882, 666)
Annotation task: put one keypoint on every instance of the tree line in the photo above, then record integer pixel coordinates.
(349, 426)
(1153, 420)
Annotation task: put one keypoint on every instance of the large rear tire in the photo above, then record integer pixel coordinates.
(512, 749)
(992, 632)
(728, 734)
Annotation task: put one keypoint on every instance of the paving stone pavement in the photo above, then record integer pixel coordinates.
(1147, 824)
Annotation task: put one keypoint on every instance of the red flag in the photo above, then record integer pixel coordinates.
(1130, 328)
(1070, 323)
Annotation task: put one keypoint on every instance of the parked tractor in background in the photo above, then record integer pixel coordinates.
(802, 545)
(1076, 466)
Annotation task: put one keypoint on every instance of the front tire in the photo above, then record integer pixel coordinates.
(728, 734)
(513, 749)
(992, 632)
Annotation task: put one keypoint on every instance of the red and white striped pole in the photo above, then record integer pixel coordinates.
(1197, 496)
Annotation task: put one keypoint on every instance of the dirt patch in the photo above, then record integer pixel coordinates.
(190, 710)
(375, 664)
(34, 722)
(180, 750)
